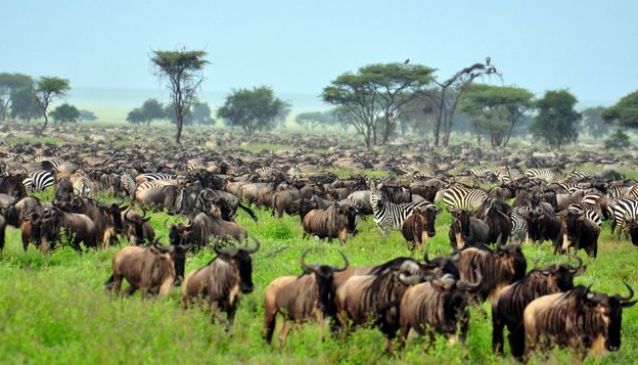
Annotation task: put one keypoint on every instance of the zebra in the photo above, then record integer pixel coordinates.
(127, 183)
(153, 176)
(620, 191)
(579, 175)
(463, 197)
(519, 225)
(38, 181)
(84, 187)
(548, 175)
(390, 216)
(624, 211)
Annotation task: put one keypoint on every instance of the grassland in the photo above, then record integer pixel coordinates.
(53, 308)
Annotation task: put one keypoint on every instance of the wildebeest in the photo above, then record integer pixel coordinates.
(543, 223)
(136, 228)
(221, 282)
(467, 230)
(152, 270)
(583, 320)
(22, 215)
(300, 298)
(418, 227)
(77, 227)
(497, 268)
(508, 305)
(437, 305)
(577, 231)
(203, 226)
(160, 196)
(373, 299)
(107, 219)
(328, 223)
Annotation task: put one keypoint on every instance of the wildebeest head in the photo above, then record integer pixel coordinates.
(610, 309)
(240, 259)
(351, 214)
(179, 234)
(562, 275)
(134, 225)
(324, 275)
(116, 212)
(461, 227)
(49, 226)
(305, 206)
(429, 212)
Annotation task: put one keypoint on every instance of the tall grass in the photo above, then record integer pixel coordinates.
(54, 310)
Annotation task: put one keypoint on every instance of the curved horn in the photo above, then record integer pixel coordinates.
(574, 269)
(467, 286)
(628, 297)
(345, 265)
(254, 249)
(408, 280)
(144, 213)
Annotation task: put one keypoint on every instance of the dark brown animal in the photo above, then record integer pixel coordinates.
(438, 305)
(497, 268)
(329, 223)
(152, 270)
(419, 226)
(300, 298)
(508, 305)
(221, 282)
(583, 320)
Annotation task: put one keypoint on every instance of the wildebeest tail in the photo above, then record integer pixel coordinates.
(109, 282)
(249, 211)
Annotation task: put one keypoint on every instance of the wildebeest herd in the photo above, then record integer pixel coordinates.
(495, 211)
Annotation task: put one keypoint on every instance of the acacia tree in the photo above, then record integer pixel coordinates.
(65, 113)
(495, 110)
(49, 88)
(557, 121)
(183, 69)
(252, 109)
(445, 98)
(372, 99)
(9, 85)
(625, 112)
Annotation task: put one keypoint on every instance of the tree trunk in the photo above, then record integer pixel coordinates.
(46, 121)
(178, 135)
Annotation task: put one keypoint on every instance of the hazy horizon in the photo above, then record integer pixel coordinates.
(297, 48)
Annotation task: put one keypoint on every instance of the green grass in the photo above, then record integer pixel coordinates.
(53, 308)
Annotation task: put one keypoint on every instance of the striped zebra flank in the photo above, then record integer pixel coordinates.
(463, 197)
(154, 176)
(127, 184)
(390, 216)
(548, 175)
(38, 181)
(624, 211)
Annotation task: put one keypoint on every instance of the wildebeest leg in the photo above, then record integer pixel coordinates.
(130, 290)
(284, 334)
(430, 340)
(270, 321)
(230, 317)
(25, 228)
(516, 339)
(497, 333)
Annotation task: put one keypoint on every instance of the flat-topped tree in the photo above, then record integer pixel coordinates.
(183, 69)
(48, 89)
(373, 98)
(625, 112)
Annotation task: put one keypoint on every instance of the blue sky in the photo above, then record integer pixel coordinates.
(299, 46)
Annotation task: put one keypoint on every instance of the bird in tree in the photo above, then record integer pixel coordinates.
(48, 89)
(183, 69)
(407, 60)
